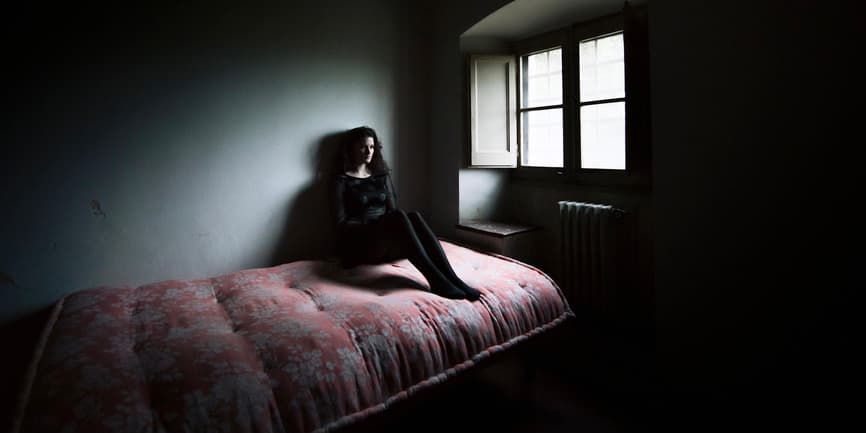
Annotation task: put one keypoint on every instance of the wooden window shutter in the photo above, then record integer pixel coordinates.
(492, 111)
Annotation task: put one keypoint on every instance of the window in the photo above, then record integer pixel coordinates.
(541, 109)
(600, 105)
(572, 114)
(601, 102)
(582, 109)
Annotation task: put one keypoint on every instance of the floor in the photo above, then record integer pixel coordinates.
(591, 391)
(547, 405)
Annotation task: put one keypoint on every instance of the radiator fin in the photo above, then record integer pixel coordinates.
(590, 253)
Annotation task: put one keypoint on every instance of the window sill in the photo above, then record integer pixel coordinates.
(604, 179)
(518, 241)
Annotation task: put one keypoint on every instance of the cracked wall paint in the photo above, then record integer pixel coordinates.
(96, 209)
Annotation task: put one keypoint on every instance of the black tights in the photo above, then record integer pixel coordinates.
(419, 244)
(437, 255)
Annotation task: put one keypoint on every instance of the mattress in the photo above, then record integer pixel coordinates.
(305, 346)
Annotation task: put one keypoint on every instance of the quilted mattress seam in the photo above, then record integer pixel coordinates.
(513, 260)
(440, 377)
(30, 374)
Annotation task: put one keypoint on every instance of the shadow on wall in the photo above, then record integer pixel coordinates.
(308, 233)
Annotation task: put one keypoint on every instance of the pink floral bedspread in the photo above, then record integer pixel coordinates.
(301, 347)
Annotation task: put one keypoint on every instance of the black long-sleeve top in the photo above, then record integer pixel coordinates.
(362, 200)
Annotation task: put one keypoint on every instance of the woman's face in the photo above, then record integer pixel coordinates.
(365, 150)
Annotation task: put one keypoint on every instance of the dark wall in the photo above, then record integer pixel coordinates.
(757, 169)
(183, 140)
(756, 164)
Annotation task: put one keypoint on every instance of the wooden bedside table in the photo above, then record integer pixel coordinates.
(517, 241)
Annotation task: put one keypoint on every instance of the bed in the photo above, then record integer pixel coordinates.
(305, 346)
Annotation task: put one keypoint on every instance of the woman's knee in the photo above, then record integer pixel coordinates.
(418, 221)
(398, 218)
(396, 213)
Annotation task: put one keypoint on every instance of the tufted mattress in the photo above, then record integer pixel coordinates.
(301, 347)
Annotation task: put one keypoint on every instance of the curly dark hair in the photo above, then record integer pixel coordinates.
(357, 135)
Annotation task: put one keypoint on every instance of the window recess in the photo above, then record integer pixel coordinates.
(575, 108)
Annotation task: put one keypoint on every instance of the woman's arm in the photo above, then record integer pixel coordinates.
(337, 204)
(391, 201)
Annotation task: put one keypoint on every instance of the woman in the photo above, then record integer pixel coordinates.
(370, 227)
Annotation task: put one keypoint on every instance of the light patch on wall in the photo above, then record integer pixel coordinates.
(481, 192)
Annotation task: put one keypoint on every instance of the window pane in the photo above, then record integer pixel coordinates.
(602, 136)
(542, 79)
(602, 68)
(542, 138)
(555, 60)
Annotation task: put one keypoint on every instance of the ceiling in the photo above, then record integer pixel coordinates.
(522, 18)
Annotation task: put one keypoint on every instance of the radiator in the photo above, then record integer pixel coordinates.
(591, 256)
